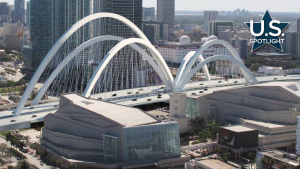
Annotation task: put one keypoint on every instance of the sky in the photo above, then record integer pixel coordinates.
(228, 5)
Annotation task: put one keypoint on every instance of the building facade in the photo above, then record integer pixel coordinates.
(4, 13)
(112, 136)
(12, 32)
(298, 38)
(64, 15)
(149, 13)
(132, 10)
(210, 16)
(276, 125)
(41, 39)
(166, 13)
(214, 27)
(19, 11)
(156, 31)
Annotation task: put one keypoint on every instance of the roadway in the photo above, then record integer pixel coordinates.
(132, 97)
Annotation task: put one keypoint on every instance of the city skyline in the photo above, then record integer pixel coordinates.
(230, 5)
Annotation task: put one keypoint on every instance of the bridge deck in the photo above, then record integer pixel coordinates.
(123, 98)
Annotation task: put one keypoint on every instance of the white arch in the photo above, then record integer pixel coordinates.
(157, 56)
(60, 42)
(186, 79)
(203, 48)
(184, 63)
(84, 46)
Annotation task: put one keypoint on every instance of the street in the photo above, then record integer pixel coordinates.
(30, 158)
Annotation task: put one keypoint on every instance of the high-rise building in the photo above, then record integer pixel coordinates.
(243, 46)
(19, 11)
(11, 14)
(155, 31)
(40, 35)
(49, 20)
(4, 9)
(64, 15)
(210, 16)
(149, 13)
(132, 10)
(217, 26)
(4, 13)
(28, 13)
(166, 13)
(298, 38)
(289, 44)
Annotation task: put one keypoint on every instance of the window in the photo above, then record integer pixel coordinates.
(176, 108)
(176, 101)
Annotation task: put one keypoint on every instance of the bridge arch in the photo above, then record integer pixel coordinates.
(206, 46)
(61, 41)
(83, 46)
(157, 56)
(184, 63)
(186, 79)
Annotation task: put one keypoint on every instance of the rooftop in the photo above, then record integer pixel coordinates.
(292, 159)
(214, 163)
(237, 128)
(265, 124)
(123, 115)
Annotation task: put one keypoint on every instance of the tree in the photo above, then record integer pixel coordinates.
(23, 165)
(3, 148)
(213, 128)
(8, 136)
(284, 166)
(252, 157)
(197, 121)
(267, 163)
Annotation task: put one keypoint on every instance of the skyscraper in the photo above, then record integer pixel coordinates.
(290, 43)
(209, 16)
(243, 45)
(28, 13)
(19, 11)
(40, 35)
(149, 13)
(49, 20)
(166, 13)
(4, 10)
(298, 38)
(127, 58)
(64, 15)
(4, 13)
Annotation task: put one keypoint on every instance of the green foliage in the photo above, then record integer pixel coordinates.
(209, 132)
(197, 121)
(11, 86)
(7, 58)
(24, 165)
(267, 164)
(16, 153)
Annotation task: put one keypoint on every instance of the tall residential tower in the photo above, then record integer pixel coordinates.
(166, 13)
(209, 16)
(19, 11)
